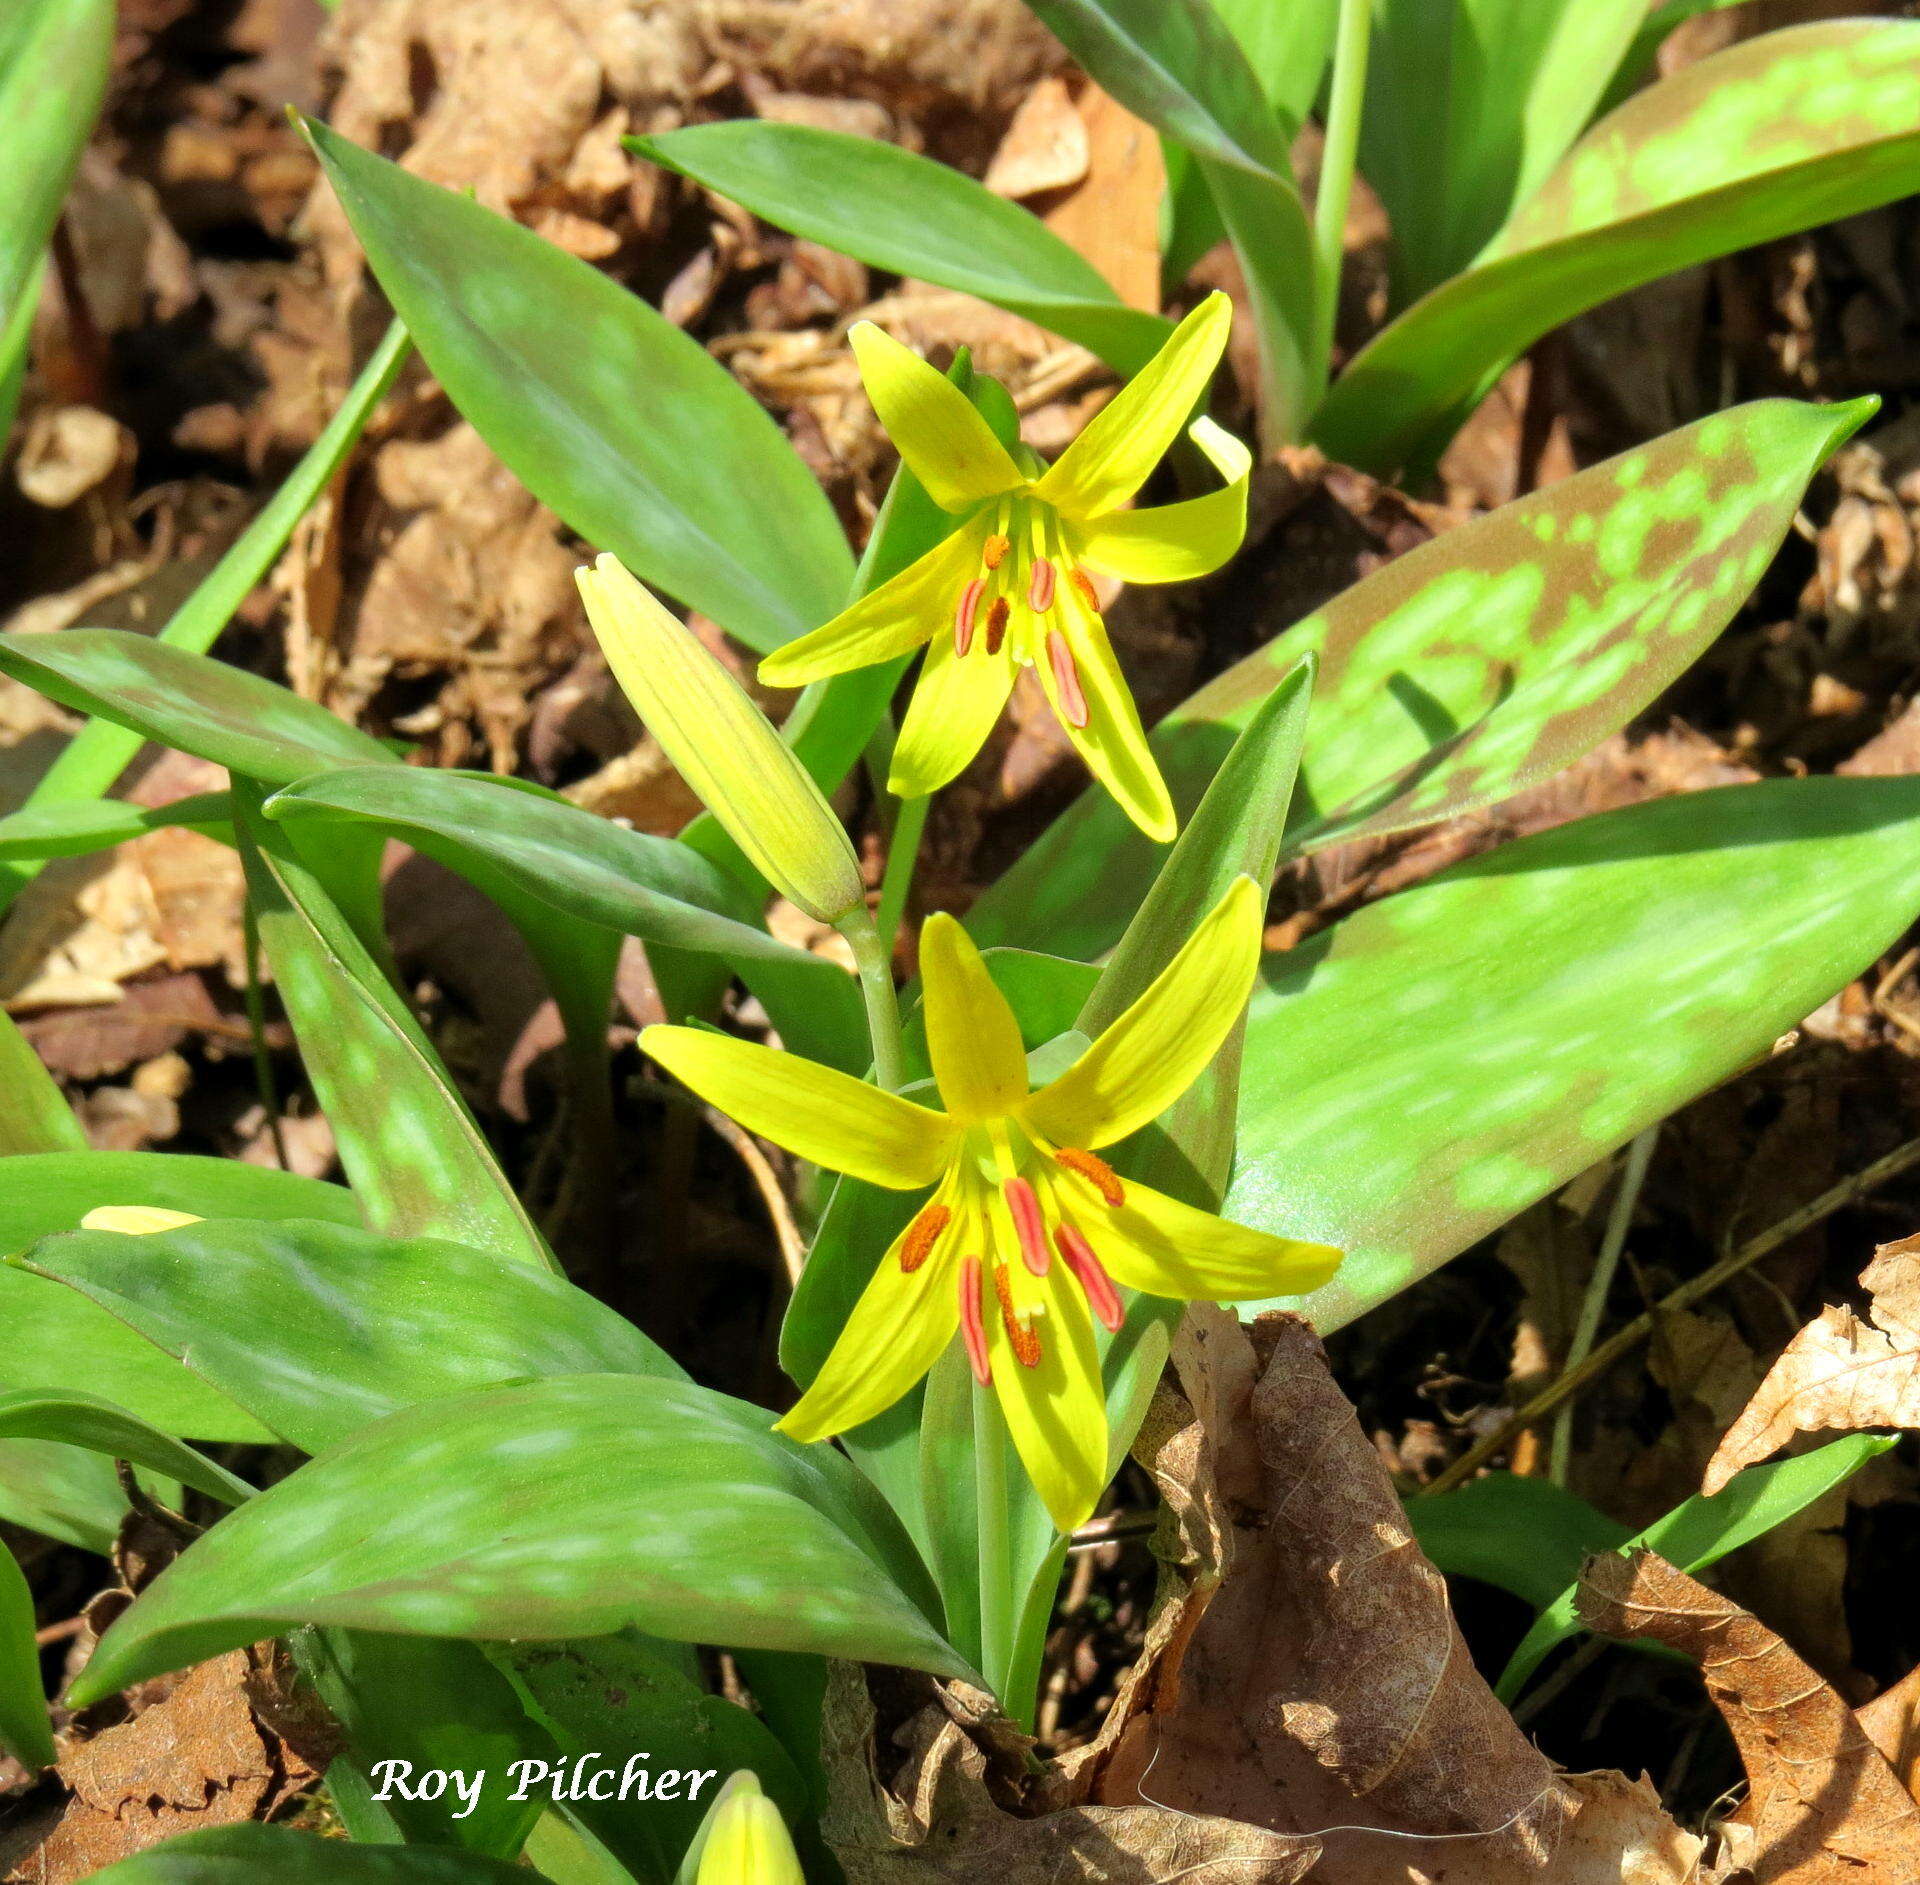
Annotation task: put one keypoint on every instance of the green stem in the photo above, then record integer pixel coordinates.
(902, 855)
(1344, 101)
(996, 1567)
(874, 960)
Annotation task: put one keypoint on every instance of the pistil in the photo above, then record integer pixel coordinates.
(972, 1327)
(1102, 1298)
(1028, 1225)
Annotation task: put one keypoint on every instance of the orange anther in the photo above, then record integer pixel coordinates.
(996, 550)
(922, 1234)
(1096, 1171)
(1022, 1338)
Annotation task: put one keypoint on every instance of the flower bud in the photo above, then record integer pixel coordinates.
(745, 1841)
(723, 746)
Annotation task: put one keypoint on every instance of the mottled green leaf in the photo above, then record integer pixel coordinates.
(63, 1492)
(1434, 1064)
(73, 1418)
(911, 216)
(1771, 136)
(1520, 1534)
(520, 844)
(26, 1728)
(318, 1329)
(79, 827)
(189, 701)
(623, 424)
(1472, 667)
(270, 1855)
(1701, 1532)
(567, 1507)
(417, 1158)
(57, 1339)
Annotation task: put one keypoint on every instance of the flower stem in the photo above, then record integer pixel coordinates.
(902, 855)
(874, 960)
(996, 1570)
(1345, 98)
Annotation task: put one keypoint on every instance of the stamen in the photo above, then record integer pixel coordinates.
(972, 1329)
(1084, 583)
(1029, 1226)
(1096, 1171)
(1022, 1337)
(997, 623)
(963, 615)
(1040, 585)
(996, 550)
(1066, 677)
(1102, 1298)
(922, 1234)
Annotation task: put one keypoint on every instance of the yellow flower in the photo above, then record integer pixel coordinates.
(745, 1841)
(1028, 1231)
(136, 1220)
(1009, 587)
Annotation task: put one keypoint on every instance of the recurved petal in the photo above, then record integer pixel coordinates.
(1090, 699)
(896, 1332)
(1055, 1411)
(955, 703)
(949, 447)
(1154, 1050)
(1128, 436)
(816, 1111)
(888, 622)
(1175, 542)
(1157, 1244)
(973, 1040)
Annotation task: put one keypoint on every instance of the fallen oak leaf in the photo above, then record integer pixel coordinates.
(1823, 1804)
(1840, 1371)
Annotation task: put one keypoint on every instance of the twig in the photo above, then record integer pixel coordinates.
(58, 1632)
(1623, 1341)
(793, 1249)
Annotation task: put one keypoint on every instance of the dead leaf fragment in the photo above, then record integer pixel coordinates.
(1840, 1372)
(1823, 1806)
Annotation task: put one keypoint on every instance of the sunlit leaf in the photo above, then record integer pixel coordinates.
(1521, 1534)
(270, 1855)
(26, 1729)
(62, 1492)
(567, 1507)
(34, 1114)
(74, 1418)
(79, 827)
(1773, 135)
(605, 411)
(1473, 666)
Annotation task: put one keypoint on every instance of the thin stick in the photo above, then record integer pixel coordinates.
(1344, 102)
(793, 1249)
(1623, 1341)
(1594, 1304)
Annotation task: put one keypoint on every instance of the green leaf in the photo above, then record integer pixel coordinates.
(188, 701)
(57, 1339)
(1702, 1531)
(34, 1114)
(911, 216)
(523, 845)
(26, 1728)
(573, 1506)
(608, 413)
(1775, 135)
(79, 827)
(1523, 1535)
(1638, 60)
(54, 56)
(416, 1156)
(268, 1855)
(99, 1426)
(1474, 666)
(64, 1492)
(319, 1329)
(1409, 1084)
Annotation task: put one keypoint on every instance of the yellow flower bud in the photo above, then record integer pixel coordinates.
(746, 1840)
(136, 1220)
(723, 746)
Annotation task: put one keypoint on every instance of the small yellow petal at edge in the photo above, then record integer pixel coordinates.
(1175, 542)
(944, 440)
(136, 1220)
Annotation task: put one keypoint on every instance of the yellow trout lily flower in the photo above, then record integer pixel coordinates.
(1028, 1232)
(745, 1841)
(1009, 588)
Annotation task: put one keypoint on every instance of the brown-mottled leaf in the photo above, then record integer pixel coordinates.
(1842, 1371)
(1823, 1805)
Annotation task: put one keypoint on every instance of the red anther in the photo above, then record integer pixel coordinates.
(969, 607)
(1066, 677)
(1040, 585)
(1096, 1171)
(1022, 1337)
(922, 1234)
(1102, 1298)
(1084, 583)
(997, 623)
(996, 550)
(972, 1329)
(1029, 1226)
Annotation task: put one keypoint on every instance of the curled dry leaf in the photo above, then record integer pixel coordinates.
(1841, 1371)
(1823, 1804)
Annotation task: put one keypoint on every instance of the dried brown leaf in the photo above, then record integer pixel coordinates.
(1841, 1371)
(1824, 1806)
